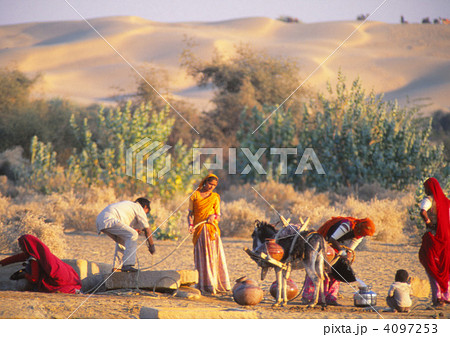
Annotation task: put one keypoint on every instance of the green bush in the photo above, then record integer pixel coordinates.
(358, 139)
(100, 157)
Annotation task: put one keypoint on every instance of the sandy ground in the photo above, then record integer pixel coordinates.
(376, 266)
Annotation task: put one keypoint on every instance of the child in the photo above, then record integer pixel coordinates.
(399, 293)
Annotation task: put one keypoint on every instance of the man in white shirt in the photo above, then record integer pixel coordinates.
(122, 222)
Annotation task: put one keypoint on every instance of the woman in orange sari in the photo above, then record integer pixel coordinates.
(209, 256)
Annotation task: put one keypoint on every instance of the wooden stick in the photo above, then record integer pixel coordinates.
(284, 221)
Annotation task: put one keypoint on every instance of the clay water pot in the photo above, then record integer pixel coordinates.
(242, 280)
(247, 292)
(330, 253)
(274, 250)
(292, 289)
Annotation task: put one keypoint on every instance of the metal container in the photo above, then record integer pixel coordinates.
(365, 297)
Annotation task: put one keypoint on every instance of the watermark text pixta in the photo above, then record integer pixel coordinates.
(308, 157)
(154, 157)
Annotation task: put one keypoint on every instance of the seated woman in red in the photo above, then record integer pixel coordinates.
(45, 271)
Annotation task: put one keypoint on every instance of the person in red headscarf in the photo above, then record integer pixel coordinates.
(44, 271)
(434, 253)
(340, 231)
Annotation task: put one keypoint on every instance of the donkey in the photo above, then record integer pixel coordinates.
(304, 249)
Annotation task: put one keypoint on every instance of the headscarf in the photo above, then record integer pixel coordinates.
(210, 175)
(364, 227)
(203, 209)
(56, 275)
(361, 227)
(434, 253)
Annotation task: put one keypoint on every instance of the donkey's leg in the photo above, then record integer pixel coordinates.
(320, 269)
(286, 275)
(310, 265)
(315, 280)
(278, 273)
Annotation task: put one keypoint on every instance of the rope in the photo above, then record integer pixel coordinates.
(97, 286)
(173, 251)
(351, 251)
(162, 278)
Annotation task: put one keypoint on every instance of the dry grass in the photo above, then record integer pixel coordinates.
(46, 216)
(238, 218)
(388, 209)
(22, 221)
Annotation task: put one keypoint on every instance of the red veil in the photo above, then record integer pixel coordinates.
(56, 275)
(434, 253)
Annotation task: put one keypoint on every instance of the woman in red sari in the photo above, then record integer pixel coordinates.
(45, 271)
(339, 231)
(434, 253)
(209, 255)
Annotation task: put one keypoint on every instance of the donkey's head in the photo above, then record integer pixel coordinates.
(262, 231)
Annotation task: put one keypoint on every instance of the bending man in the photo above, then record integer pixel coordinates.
(122, 222)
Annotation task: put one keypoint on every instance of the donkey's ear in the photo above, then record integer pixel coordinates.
(257, 223)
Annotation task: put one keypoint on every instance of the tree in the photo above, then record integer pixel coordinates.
(23, 117)
(17, 126)
(15, 90)
(153, 88)
(249, 78)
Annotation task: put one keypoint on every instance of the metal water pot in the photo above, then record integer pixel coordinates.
(365, 297)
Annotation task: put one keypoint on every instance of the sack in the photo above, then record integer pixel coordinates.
(342, 271)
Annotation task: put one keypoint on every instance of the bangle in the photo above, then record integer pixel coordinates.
(191, 225)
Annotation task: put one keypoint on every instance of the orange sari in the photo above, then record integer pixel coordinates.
(209, 255)
(202, 208)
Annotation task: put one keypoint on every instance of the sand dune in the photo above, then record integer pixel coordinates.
(403, 61)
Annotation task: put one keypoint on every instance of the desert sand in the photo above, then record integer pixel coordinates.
(376, 266)
(403, 61)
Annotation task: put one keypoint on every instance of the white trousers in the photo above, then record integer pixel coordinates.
(126, 243)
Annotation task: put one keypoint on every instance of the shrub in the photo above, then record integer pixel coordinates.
(389, 215)
(315, 206)
(101, 158)
(388, 209)
(279, 195)
(358, 138)
(28, 222)
(83, 207)
(13, 165)
(167, 220)
(238, 218)
(361, 139)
